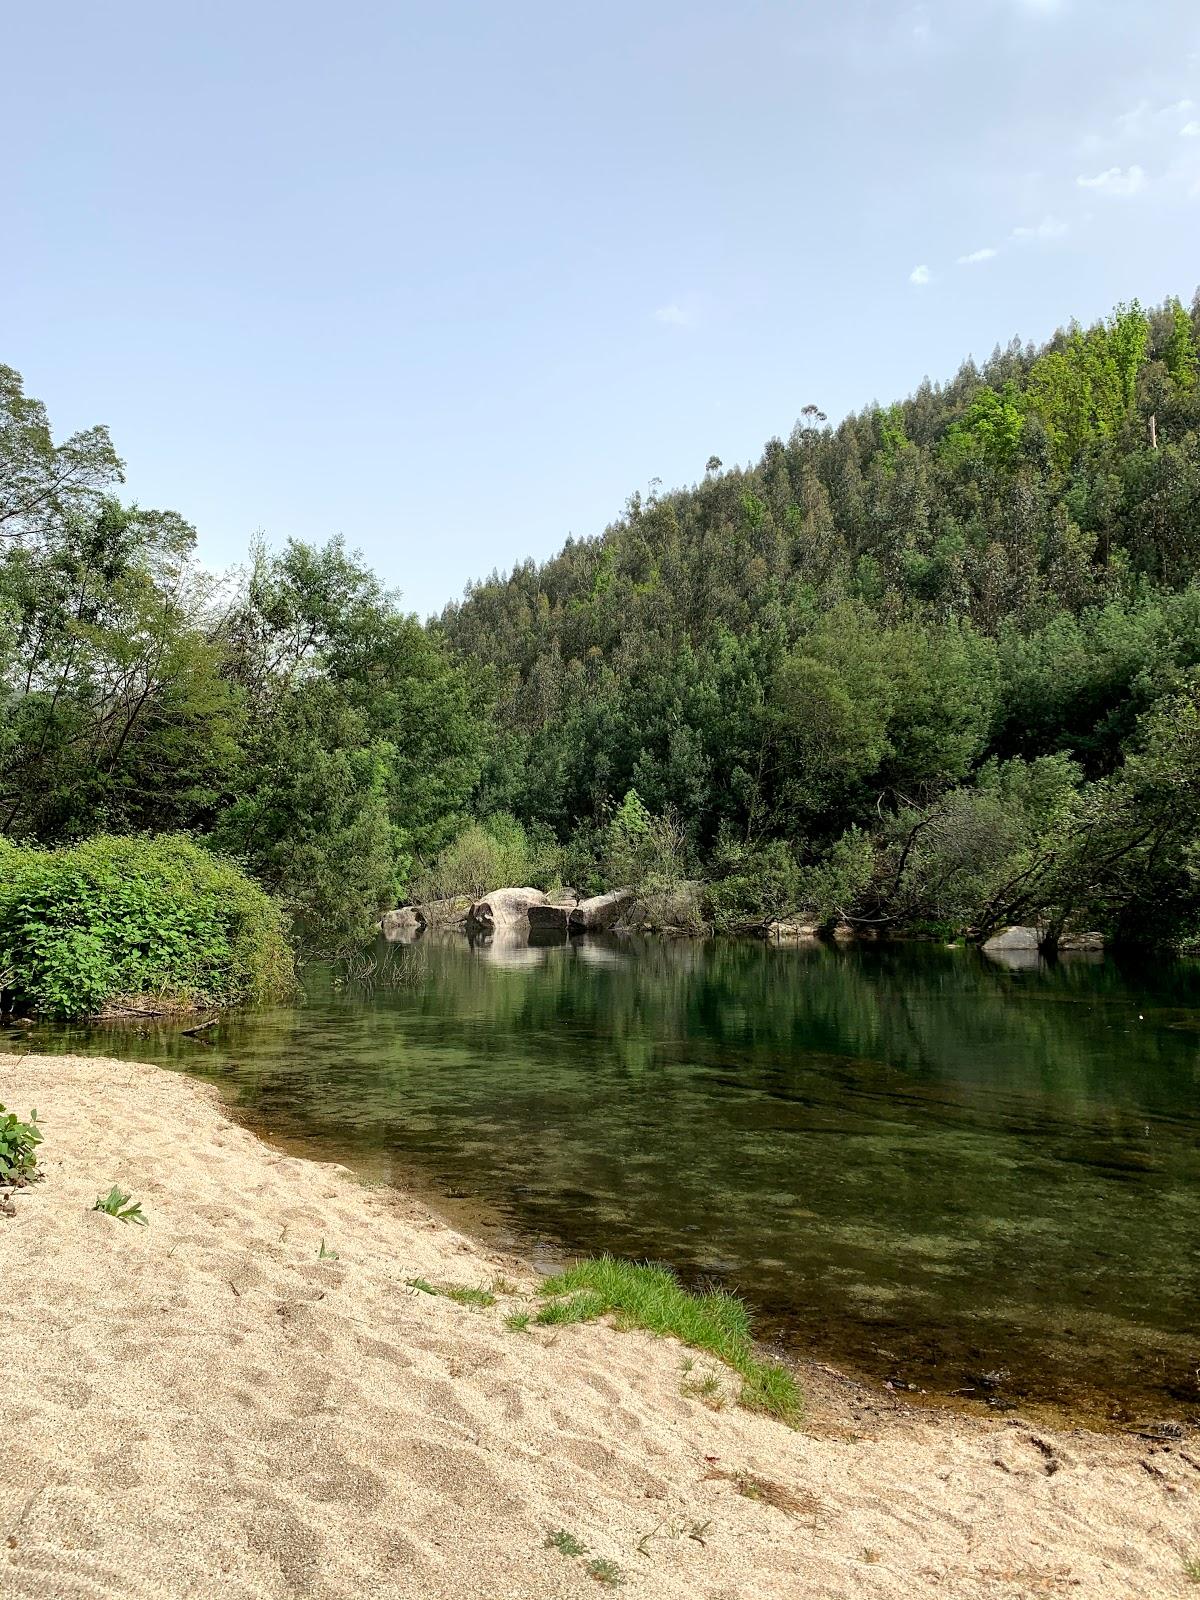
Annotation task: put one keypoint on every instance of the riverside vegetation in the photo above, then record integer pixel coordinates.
(934, 669)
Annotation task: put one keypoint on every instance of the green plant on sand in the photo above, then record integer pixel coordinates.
(18, 1145)
(652, 1298)
(116, 1203)
(565, 1543)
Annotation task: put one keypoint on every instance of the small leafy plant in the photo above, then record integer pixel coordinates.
(116, 1203)
(18, 1145)
(605, 1571)
(565, 1543)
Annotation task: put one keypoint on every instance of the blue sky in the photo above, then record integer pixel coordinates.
(453, 281)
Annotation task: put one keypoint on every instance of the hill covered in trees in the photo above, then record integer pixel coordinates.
(935, 667)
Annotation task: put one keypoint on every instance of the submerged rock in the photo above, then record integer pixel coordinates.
(504, 908)
(601, 912)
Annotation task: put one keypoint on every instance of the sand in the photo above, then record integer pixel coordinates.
(202, 1407)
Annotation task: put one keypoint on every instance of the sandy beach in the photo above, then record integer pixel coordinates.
(203, 1407)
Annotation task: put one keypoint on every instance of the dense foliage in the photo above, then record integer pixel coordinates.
(935, 666)
(135, 922)
(291, 713)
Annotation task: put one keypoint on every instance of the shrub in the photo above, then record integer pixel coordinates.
(136, 919)
(645, 851)
(753, 885)
(493, 854)
(18, 1145)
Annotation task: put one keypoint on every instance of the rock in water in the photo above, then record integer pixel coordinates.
(402, 926)
(504, 908)
(601, 911)
(445, 913)
(551, 919)
(1014, 939)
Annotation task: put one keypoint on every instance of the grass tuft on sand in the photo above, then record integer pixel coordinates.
(653, 1298)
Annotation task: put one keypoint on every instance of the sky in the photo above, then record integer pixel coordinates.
(454, 280)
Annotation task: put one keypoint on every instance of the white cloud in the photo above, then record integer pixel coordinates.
(985, 254)
(1191, 130)
(675, 315)
(1117, 180)
(920, 276)
(1047, 228)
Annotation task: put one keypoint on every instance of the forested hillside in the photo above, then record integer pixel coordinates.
(935, 664)
(936, 667)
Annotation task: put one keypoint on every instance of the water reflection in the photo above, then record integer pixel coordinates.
(908, 1158)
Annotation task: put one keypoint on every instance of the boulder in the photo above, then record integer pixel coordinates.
(504, 908)
(551, 919)
(1081, 941)
(601, 911)
(1014, 939)
(402, 926)
(790, 932)
(445, 913)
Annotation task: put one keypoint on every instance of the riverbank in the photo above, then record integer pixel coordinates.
(206, 1406)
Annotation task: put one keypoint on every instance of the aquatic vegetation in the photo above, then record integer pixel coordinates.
(652, 1298)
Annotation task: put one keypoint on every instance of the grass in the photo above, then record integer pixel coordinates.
(469, 1297)
(116, 1203)
(1191, 1568)
(795, 1502)
(518, 1321)
(324, 1254)
(575, 1308)
(653, 1298)
(705, 1387)
(462, 1293)
(565, 1543)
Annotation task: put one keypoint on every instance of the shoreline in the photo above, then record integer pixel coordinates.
(495, 1231)
(205, 1406)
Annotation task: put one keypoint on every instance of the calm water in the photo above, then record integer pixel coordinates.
(909, 1160)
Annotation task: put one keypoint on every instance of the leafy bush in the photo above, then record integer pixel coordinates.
(493, 854)
(18, 1144)
(645, 851)
(753, 885)
(157, 919)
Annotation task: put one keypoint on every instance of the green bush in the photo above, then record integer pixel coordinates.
(753, 885)
(154, 920)
(18, 1148)
(495, 854)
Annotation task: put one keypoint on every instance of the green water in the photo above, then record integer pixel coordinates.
(912, 1162)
